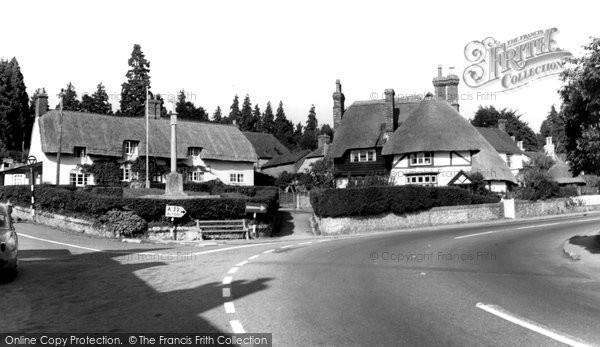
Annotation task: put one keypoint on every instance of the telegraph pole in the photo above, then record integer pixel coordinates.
(147, 153)
(60, 136)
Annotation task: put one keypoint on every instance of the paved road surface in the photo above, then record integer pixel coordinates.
(467, 285)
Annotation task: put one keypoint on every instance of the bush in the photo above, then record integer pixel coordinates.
(110, 191)
(122, 223)
(400, 200)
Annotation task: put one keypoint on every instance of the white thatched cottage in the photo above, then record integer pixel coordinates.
(210, 151)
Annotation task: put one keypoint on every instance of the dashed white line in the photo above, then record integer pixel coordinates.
(288, 246)
(254, 257)
(233, 270)
(59, 243)
(226, 292)
(242, 263)
(229, 308)
(237, 327)
(465, 236)
(305, 243)
(537, 226)
(227, 279)
(269, 251)
(499, 312)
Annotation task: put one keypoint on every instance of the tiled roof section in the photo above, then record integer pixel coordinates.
(105, 135)
(286, 159)
(500, 140)
(266, 145)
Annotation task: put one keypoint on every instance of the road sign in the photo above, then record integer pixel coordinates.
(174, 211)
(255, 207)
(31, 160)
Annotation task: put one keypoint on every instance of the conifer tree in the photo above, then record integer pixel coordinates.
(217, 116)
(133, 91)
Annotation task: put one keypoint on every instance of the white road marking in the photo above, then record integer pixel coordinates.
(227, 279)
(305, 243)
(538, 226)
(465, 236)
(324, 240)
(229, 308)
(528, 227)
(233, 270)
(254, 257)
(499, 312)
(230, 248)
(59, 243)
(269, 251)
(288, 246)
(226, 292)
(242, 263)
(237, 327)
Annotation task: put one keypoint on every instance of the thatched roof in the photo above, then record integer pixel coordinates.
(265, 145)
(561, 173)
(500, 140)
(436, 126)
(318, 153)
(286, 159)
(363, 125)
(104, 135)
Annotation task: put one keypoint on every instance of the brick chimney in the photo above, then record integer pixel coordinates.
(323, 141)
(439, 83)
(502, 124)
(338, 105)
(389, 111)
(549, 147)
(452, 82)
(520, 145)
(41, 102)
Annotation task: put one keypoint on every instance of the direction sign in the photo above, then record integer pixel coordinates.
(174, 211)
(256, 207)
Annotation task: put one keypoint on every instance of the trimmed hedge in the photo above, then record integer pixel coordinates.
(88, 204)
(374, 200)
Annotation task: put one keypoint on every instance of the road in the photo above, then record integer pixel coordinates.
(499, 284)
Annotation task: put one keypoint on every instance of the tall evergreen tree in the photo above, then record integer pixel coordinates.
(267, 121)
(133, 91)
(100, 100)
(15, 118)
(256, 119)
(283, 129)
(297, 137)
(309, 137)
(489, 116)
(247, 122)
(234, 111)
(70, 100)
(187, 110)
(217, 116)
(554, 126)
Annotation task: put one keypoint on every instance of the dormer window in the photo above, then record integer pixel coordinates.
(421, 159)
(363, 156)
(130, 147)
(79, 152)
(194, 151)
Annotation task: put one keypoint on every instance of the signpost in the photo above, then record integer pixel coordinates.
(31, 160)
(172, 211)
(255, 207)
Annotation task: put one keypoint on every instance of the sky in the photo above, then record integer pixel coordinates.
(291, 51)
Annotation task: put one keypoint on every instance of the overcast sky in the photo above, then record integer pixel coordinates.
(280, 50)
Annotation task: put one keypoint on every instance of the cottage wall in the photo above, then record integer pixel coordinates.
(446, 164)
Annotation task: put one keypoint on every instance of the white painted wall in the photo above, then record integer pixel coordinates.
(516, 162)
(222, 170)
(305, 167)
(446, 165)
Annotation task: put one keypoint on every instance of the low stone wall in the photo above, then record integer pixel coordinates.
(435, 216)
(526, 209)
(59, 221)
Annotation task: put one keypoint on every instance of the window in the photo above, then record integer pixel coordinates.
(127, 175)
(423, 158)
(195, 176)
(363, 156)
(79, 152)
(424, 180)
(194, 151)
(78, 179)
(131, 147)
(236, 178)
(509, 160)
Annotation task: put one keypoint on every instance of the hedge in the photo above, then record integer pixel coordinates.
(374, 200)
(81, 203)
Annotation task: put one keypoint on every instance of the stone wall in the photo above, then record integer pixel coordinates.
(526, 209)
(435, 216)
(59, 221)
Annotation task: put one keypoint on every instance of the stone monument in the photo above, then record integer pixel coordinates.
(174, 185)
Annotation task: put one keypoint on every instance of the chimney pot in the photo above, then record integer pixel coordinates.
(41, 102)
(520, 145)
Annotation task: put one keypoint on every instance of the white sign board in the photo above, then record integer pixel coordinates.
(174, 211)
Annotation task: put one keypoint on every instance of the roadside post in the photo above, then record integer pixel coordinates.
(172, 211)
(254, 208)
(31, 160)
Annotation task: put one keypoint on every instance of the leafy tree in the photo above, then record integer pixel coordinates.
(97, 102)
(234, 111)
(488, 117)
(133, 91)
(15, 117)
(554, 126)
(217, 117)
(309, 137)
(267, 121)
(283, 129)
(580, 96)
(70, 99)
(321, 173)
(246, 119)
(187, 109)
(326, 130)
(536, 183)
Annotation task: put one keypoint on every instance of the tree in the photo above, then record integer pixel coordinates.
(554, 126)
(133, 91)
(15, 117)
(267, 121)
(321, 172)
(326, 130)
(246, 119)
(297, 137)
(187, 109)
(234, 111)
(283, 129)
(488, 117)
(70, 100)
(256, 118)
(537, 184)
(309, 136)
(217, 117)
(97, 102)
(580, 110)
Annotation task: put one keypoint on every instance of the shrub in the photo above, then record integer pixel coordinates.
(122, 223)
(400, 200)
(110, 191)
(106, 172)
